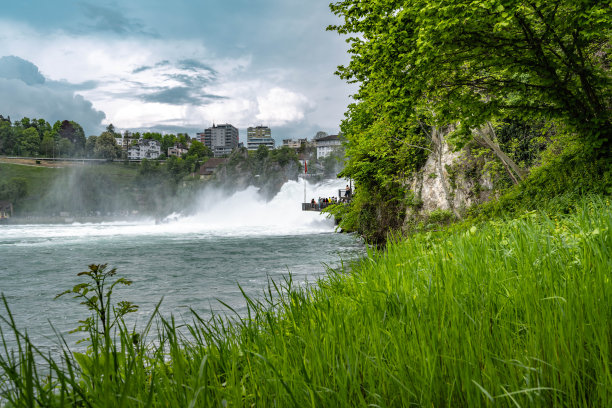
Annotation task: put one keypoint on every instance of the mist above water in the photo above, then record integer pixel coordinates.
(247, 212)
(216, 213)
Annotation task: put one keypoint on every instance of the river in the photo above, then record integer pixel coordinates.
(191, 261)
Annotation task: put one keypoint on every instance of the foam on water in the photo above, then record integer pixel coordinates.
(244, 213)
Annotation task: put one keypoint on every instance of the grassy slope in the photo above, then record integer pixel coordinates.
(41, 180)
(512, 312)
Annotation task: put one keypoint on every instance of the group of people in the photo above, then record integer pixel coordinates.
(323, 202)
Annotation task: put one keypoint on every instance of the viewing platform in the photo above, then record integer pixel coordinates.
(320, 203)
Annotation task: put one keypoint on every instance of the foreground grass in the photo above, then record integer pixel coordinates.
(509, 313)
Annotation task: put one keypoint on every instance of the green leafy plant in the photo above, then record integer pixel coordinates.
(96, 296)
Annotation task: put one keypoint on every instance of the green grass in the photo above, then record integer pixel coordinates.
(53, 189)
(512, 312)
(39, 178)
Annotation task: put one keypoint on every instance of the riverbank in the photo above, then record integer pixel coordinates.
(511, 312)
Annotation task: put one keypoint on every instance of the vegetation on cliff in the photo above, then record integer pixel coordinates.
(486, 72)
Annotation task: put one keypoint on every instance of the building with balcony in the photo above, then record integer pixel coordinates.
(221, 139)
(258, 136)
(144, 149)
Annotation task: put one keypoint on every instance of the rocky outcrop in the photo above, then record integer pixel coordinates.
(449, 181)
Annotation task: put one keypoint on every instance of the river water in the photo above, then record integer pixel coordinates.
(191, 261)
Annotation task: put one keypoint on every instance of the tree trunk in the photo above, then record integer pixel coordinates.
(509, 164)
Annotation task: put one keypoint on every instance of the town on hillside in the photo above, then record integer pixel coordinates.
(162, 167)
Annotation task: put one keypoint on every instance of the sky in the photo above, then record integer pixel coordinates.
(174, 66)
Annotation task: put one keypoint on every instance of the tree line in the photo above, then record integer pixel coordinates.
(38, 138)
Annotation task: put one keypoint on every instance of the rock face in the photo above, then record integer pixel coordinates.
(449, 181)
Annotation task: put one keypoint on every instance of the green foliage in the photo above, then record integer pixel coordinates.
(407, 326)
(283, 156)
(106, 146)
(90, 146)
(31, 137)
(14, 189)
(555, 186)
(524, 142)
(521, 66)
(95, 294)
(261, 153)
(439, 216)
(199, 150)
(28, 142)
(473, 61)
(381, 151)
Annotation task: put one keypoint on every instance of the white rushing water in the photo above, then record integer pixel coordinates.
(244, 213)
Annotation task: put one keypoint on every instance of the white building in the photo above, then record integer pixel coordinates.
(123, 142)
(326, 145)
(144, 149)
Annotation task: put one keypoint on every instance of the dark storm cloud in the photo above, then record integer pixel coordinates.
(180, 96)
(112, 20)
(12, 67)
(26, 93)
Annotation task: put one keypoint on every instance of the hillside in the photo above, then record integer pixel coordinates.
(73, 187)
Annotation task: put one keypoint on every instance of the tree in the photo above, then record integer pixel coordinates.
(90, 146)
(476, 61)
(8, 138)
(47, 146)
(167, 141)
(106, 146)
(28, 142)
(261, 153)
(73, 132)
(65, 148)
(199, 150)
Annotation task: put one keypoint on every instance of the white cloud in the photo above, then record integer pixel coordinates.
(141, 82)
(281, 106)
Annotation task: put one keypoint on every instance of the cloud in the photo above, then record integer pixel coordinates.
(195, 65)
(29, 94)
(67, 86)
(147, 67)
(111, 20)
(179, 96)
(177, 82)
(281, 106)
(12, 67)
